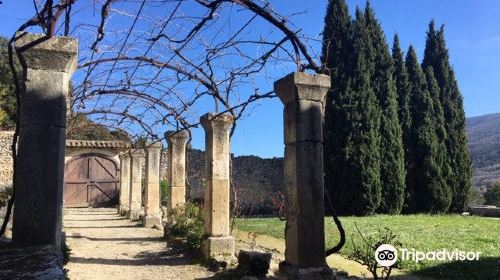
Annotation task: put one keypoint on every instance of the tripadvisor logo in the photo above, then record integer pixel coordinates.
(386, 255)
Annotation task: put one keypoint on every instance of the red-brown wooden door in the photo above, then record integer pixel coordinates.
(91, 180)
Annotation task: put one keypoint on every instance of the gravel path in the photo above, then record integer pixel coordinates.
(107, 246)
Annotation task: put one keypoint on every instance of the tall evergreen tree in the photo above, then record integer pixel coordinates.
(403, 95)
(460, 175)
(336, 49)
(430, 192)
(392, 171)
(337, 57)
(439, 126)
(402, 87)
(361, 189)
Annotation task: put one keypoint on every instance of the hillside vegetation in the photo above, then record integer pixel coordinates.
(484, 139)
(484, 145)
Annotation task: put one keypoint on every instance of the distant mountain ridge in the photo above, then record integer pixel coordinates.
(484, 145)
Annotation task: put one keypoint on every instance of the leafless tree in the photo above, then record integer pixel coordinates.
(145, 65)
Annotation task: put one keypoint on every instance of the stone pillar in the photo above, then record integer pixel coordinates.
(124, 183)
(303, 96)
(152, 200)
(177, 167)
(48, 65)
(135, 197)
(219, 243)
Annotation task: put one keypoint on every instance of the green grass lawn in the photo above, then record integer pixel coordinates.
(420, 232)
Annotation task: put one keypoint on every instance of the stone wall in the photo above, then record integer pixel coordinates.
(255, 178)
(6, 172)
(6, 157)
(195, 173)
(485, 210)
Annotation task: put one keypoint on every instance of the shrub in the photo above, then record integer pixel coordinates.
(5, 194)
(164, 191)
(364, 251)
(475, 198)
(110, 199)
(188, 223)
(279, 205)
(492, 195)
(247, 204)
(194, 236)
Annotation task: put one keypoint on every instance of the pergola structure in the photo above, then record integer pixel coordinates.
(49, 63)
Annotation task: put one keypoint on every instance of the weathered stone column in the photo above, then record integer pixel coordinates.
(219, 244)
(177, 167)
(152, 200)
(135, 197)
(48, 65)
(124, 183)
(303, 96)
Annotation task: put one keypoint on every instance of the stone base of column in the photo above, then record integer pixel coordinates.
(123, 210)
(219, 248)
(292, 272)
(135, 214)
(150, 221)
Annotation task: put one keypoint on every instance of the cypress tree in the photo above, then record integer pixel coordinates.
(337, 57)
(392, 171)
(403, 95)
(430, 192)
(459, 177)
(361, 191)
(440, 127)
(402, 87)
(336, 49)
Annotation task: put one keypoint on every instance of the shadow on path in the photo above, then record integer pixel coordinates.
(128, 239)
(170, 257)
(105, 245)
(93, 220)
(103, 227)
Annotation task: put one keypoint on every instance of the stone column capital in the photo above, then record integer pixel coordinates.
(177, 136)
(37, 51)
(154, 146)
(302, 86)
(124, 155)
(211, 121)
(137, 153)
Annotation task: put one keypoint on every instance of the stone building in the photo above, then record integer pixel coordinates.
(91, 169)
(92, 172)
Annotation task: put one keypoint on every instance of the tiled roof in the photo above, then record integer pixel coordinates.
(96, 144)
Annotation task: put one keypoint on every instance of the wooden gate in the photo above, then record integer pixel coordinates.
(91, 180)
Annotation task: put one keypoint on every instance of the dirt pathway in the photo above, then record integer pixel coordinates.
(107, 246)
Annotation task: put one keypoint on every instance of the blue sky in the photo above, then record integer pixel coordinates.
(472, 33)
